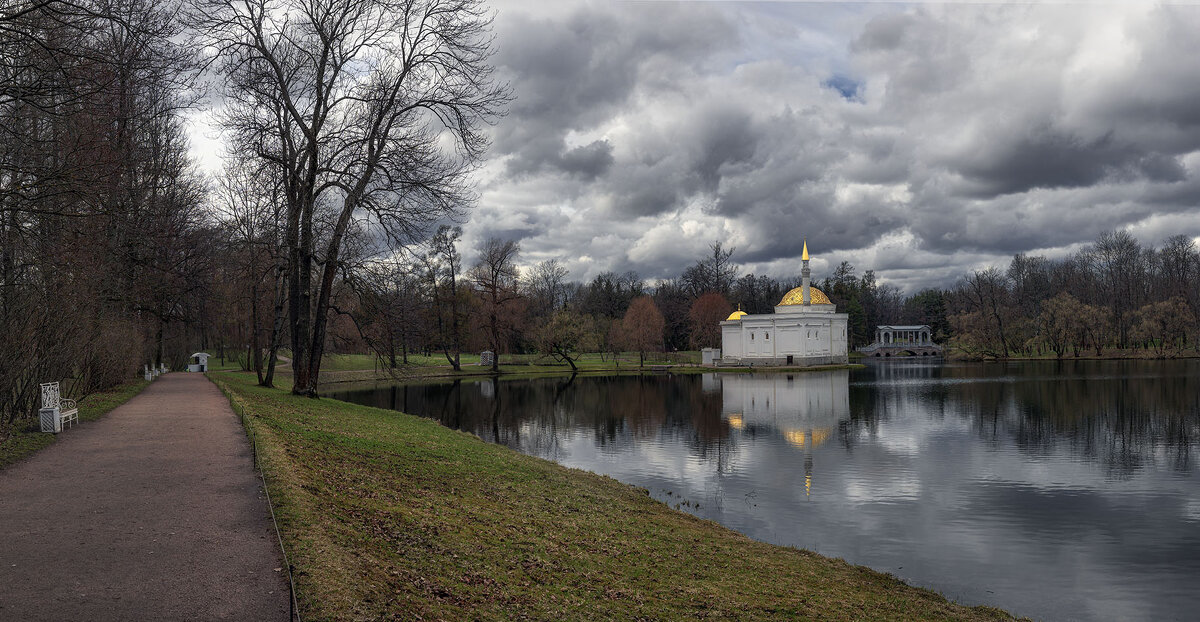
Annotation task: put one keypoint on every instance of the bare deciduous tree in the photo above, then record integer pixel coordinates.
(375, 108)
(496, 276)
(442, 266)
(546, 284)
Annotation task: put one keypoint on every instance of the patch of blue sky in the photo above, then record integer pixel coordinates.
(849, 88)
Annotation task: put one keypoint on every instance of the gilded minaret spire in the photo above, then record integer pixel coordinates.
(804, 277)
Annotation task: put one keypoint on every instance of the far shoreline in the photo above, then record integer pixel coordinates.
(514, 372)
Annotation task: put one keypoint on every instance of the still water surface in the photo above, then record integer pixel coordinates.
(1060, 491)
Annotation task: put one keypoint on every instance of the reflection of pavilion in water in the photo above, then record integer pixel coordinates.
(803, 409)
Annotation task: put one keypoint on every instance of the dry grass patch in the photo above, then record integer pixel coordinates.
(389, 516)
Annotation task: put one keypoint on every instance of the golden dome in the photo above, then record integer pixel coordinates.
(736, 315)
(796, 297)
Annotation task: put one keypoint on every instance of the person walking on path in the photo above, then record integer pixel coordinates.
(154, 512)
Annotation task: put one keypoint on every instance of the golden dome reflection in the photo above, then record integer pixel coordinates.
(796, 297)
(811, 438)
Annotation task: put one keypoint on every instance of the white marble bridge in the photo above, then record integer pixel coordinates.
(902, 341)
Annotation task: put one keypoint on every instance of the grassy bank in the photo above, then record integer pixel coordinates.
(18, 443)
(389, 516)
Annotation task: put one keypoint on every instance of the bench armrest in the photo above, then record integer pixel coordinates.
(67, 405)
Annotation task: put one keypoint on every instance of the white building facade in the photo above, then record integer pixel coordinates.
(805, 329)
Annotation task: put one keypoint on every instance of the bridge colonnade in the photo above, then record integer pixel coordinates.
(895, 335)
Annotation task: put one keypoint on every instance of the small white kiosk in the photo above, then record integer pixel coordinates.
(199, 362)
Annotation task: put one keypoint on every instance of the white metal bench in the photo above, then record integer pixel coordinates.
(59, 411)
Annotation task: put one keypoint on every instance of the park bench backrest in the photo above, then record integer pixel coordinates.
(50, 395)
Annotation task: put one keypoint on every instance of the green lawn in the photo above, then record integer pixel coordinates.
(26, 439)
(350, 362)
(388, 516)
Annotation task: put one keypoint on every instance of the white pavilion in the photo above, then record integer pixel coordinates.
(805, 329)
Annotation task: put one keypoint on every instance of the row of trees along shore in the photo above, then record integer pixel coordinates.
(353, 127)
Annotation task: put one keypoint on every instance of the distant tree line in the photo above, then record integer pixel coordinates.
(1114, 294)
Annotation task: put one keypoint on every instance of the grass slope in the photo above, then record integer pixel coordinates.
(389, 516)
(19, 443)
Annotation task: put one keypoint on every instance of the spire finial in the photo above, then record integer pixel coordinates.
(804, 257)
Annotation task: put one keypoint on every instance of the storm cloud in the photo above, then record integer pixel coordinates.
(920, 141)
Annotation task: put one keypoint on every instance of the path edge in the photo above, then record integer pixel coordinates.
(239, 409)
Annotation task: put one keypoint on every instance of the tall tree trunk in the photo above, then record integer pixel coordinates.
(158, 342)
(277, 328)
(494, 325)
(299, 301)
(454, 324)
(255, 350)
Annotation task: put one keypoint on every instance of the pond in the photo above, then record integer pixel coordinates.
(1055, 490)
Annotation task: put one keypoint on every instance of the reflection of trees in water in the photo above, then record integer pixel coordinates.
(1122, 422)
(889, 391)
(534, 415)
(1123, 414)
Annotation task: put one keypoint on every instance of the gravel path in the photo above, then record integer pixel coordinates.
(154, 512)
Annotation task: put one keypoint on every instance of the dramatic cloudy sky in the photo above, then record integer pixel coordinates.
(920, 140)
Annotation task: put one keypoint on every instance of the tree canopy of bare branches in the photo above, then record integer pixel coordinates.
(371, 109)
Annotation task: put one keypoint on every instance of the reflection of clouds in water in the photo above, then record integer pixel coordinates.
(920, 491)
(895, 486)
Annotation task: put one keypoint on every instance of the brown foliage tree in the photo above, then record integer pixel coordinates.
(1163, 325)
(704, 320)
(642, 328)
(1058, 324)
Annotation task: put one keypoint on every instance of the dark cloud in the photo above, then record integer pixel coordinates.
(575, 73)
(1045, 158)
(589, 161)
(724, 138)
(886, 33)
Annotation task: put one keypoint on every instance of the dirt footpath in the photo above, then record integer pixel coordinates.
(153, 512)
